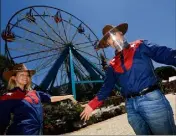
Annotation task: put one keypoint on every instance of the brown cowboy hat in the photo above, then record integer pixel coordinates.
(122, 28)
(17, 68)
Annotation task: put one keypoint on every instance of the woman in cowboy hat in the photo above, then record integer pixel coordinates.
(148, 110)
(24, 103)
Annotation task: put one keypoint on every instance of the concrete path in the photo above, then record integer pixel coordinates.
(117, 125)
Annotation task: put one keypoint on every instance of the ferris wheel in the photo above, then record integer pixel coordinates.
(58, 45)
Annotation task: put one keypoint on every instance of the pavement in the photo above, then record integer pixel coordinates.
(117, 125)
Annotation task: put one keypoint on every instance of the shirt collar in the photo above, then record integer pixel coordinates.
(18, 88)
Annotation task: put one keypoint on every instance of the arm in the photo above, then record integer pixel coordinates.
(109, 83)
(60, 98)
(160, 54)
(44, 97)
(48, 98)
(5, 112)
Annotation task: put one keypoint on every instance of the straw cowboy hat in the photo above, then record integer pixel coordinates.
(17, 68)
(122, 28)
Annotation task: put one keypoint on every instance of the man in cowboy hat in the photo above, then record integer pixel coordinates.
(148, 110)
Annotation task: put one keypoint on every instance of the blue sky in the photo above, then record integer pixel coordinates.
(153, 20)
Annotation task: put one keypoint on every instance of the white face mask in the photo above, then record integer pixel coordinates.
(116, 43)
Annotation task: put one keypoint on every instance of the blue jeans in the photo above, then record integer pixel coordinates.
(150, 114)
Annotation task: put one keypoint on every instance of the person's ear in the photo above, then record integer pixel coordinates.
(121, 33)
(13, 78)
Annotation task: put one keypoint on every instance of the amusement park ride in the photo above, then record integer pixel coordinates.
(58, 45)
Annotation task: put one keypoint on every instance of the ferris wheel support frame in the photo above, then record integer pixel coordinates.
(48, 81)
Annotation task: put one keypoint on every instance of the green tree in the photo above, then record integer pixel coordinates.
(5, 63)
(165, 72)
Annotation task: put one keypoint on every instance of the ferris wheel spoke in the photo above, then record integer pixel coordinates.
(46, 64)
(46, 33)
(41, 44)
(51, 16)
(88, 46)
(87, 53)
(70, 24)
(41, 73)
(20, 49)
(34, 53)
(39, 58)
(80, 66)
(91, 56)
(76, 32)
(17, 49)
(25, 48)
(44, 70)
(64, 28)
(22, 42)
(36, 33)
(69, 27)
(77, 74)
(58, 28)
(56, 80)
(47, 58)
(79, 37)
(61, 74)
(41, 29)
(80, 71)
(83, 43)
(66, 65)
(40, 63)
(63, 79)
(49, 25)
(96, 63)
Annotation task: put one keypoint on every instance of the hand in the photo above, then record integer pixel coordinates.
(73, 99)
(86, 113)
(68, 96)
(83, 105)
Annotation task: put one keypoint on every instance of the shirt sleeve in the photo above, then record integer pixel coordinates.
(5, 112)
(160, 54)
(108, 85)
(44, 97)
